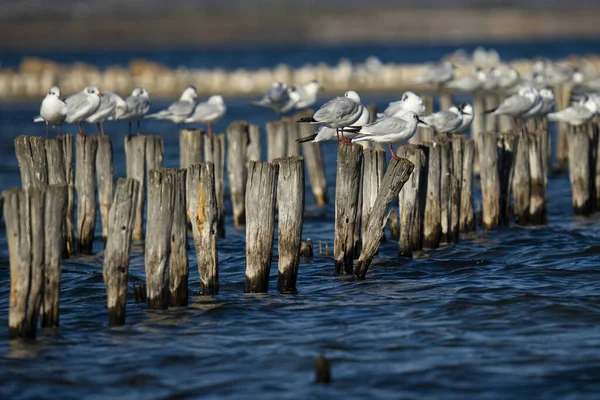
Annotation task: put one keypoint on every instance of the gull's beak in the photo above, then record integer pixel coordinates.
(423, 122)
(465, 113)
(100, 94)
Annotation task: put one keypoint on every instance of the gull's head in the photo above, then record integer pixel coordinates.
(293, 93)
(496, 72)
(590, 104)
(577, 77)
(413, 102)
(189, 94)
(313, 86)
(352, 95)
(92, 91)
(216, 100)
(54, 91)
(466, 108)
(547, 94)
(413, 118)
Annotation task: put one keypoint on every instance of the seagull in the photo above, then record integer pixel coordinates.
(180, 110)
(577, 114)
(438, 74)
(469, 83)
(466, 110)
(208, 112)
(535, 109)
(53, 110)
(308, 94)
(390, 130)
(111, 105)
(339, 113)
(446, 121)
(508, 78)
(518, 104)
(138, 105)
(326, 133)
(276, 98)
(293, 99)
(81, 105)
(409, 102)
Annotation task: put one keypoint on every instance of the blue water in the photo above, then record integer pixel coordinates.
(510, 313)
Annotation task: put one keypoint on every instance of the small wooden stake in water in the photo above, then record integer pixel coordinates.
(116, 255)
(260, 205)
(322, 370)
(190, 147)
(135, 154)
(456, 180)
(85, 183)
(237, 141)
(432, 223)
(178, 260)
(105, 174)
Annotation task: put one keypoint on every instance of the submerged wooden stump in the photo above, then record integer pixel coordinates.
(85, 183)
(116, 256)
(445, 184)
(507, 146)
(260, 204)
(135, 154)
(214, 152)
(313, 158)
(57, 176)
(290, 195)
(190, 147)
(538, 178)
(237, 141)
(105, 175)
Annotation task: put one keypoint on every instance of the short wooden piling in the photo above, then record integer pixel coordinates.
(373, 171)
(31, 156)
(105, 175)
(214, 152)
(580, 170)
(411, 199)
(67, 146)
(154, 153)
(349, 167)
(521, 181)
(190, 147)
(457, 142)
(237, 142)
(57, 176)
(396, 175)
(276, 139)
(562, 96)
(445, 97)
(466, 214)
(445, 184)
(85, 183)
(203, 215)
(161, 194)
(35, 222)
(490, 179)
(253, 143)
(432, 222)
(538, 178)
(56, 203)
(178, 259)
(491, 120)
(507, 143)
(290, 197)
(135, 154)
(291, 129)
(477, 126)
(260, 205)
(115, 269)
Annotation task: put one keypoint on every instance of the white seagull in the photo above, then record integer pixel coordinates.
(467, 116)
(81, 105)
(518, 104)
(445, 121)
(276, 98)
(53, 110)
(325, 133)
(410, 102)
(138, 105)
(438, 74)
(308, 94)
(111, 106)
(577, 114)
(209, 112)
(180, 110)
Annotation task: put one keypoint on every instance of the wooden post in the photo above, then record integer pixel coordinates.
(135, 148)
(290, 197)
(161, 194)
(57, 176)
(178, 260)
(237, 141)
(445, 99)
(35, 222)
(253, 143)
(203, 215)
(67, 146)
(214, 152)
(154, 153)
(458, 142)
(31, 155)
(394, 225)
(291, 130)
(562, 95)
(105, 175)
(349, 167)
(522, 181)
(506, 162)
(580, 170)
(477, 127)
(190, 147)
(466, 214)
(398, 172)
(490, 179)
(116, 255)
(445, 184)
(85, 183)
(276, 139)
(313, 158)
(491, 102)
(537, 168)
(260, 224)
(410, 198)
(373, 171)
(432, 222)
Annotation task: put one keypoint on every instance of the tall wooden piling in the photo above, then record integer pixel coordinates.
(135, 155)
(457, 142)
(203, 215)
(35, 222)
(313, 158)
(466, 214)
(276, 139)
(178, 259)
(161, 194)
(291, 129)
(445, 97)
(538, 178)
(67, 146)
(57, 176)
(190, 147)
(115, 269)
(445, 184)
(506, 161)
(260, 205)
(580, 170)
(105, 175)
(290, 197)
(154, 153)
(85, 183)
(373, 171)
(491, 120)
(412, 201)
(253, 143)
(562, 95)
(521, 181)
(396, 175)
(31, 156)
(214, 152)
(490, 179)
(477, 126)
(237, 142)
(432, 222)
(349, 167)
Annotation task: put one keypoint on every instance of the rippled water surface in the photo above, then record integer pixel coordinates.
(511, 313)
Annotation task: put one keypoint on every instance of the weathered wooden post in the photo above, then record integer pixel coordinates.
(507, 147)
(580, 170)
(522, 181)
(477, 126)
(67, 145)
(538, 178)
(490, 179)
(105, 176)
(562, 95)
(31, 155)
(291, 130)
(57, 176)
(135, 152)
(237, 141)
(161, 195)
(276, 139)
(445, 97)
(116, 256)
(491, 102)
(85, 183)
(190, 147)
(347, 186)
(203, 215)
(313, 158)
(35, 222)
(253, 143)
(214, 152)
(178, 260)
(432, 222)
(290, 197)
(396, 175)
(154, 153)
(260, 224)
(445, 184)
(411, 216)
(394, 225)
(458, 142)
(466, 214)
(374, 168)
